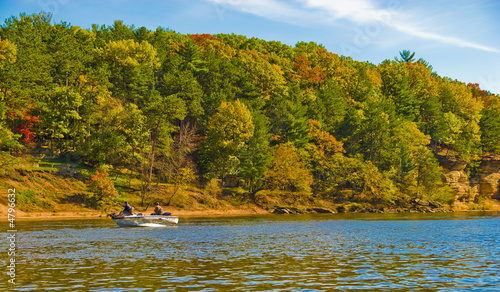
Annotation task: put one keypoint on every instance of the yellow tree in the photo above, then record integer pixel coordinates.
(227, 132)
(326, 143)
(458, 99)
(132, 66)
(266, 77)
(102, 190)
(8, 140)
(287, 171)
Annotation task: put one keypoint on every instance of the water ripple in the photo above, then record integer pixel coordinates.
(288, 253)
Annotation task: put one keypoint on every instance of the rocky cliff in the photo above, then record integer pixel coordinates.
(485, 182)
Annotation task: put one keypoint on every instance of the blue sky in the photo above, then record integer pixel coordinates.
(459, 38)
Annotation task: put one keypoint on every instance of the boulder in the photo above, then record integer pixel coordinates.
(321, 210)
(287, 210)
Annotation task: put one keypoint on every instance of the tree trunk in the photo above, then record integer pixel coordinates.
(155, 138)
(52, 146)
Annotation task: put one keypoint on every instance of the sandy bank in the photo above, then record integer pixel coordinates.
(69, 211)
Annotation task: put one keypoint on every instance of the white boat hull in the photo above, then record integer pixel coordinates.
(146, 221)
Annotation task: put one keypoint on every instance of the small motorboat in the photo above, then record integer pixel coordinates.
(140, 220)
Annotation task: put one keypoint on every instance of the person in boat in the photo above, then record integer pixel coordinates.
(158, 209)
(127, 210)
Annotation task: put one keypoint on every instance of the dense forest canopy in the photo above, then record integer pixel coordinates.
(244, 111)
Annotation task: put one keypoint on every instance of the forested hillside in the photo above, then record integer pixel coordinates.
(293, 121)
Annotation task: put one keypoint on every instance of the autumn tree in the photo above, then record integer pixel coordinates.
(102, 191)
(227, 132)
(131, 68)
(287, 172)
(7, 57)
(350, 179)
(8, 140)
(28, 78)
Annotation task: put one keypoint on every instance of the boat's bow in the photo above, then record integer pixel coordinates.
(144, 220)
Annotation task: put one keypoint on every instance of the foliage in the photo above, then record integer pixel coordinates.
(256, 155)
(167, 106)
(287, 171)
(351, 179)
(490, 124)
(102, 191)
(406, 57)
(213, 188)
(227, 132)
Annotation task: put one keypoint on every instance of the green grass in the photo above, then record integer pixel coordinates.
(32, 168)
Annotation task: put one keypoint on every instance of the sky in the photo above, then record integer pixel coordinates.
(459, 38)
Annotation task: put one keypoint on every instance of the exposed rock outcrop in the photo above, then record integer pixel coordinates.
(489, 178)
(486, 182)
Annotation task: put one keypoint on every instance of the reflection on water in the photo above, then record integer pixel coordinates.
(426, 252)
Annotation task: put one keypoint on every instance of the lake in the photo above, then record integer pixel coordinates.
(364, 252)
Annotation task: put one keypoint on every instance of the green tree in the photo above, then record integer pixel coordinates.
(397, 86)
(429, 185)
(27, 78)
(288, 117)
(8, 139)
(375, 130)
(131, 66)
(490, 126)
(329, 108)
(227, 132)
(59, 112)
(256, 156)
(406, 57)
(405, 144)
(464, 111)
(190, 55)
(119, 135)
(184, 86)
(161, 112)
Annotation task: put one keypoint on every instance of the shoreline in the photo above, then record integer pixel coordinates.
(187, 213)
(70, 211)
(94, 214)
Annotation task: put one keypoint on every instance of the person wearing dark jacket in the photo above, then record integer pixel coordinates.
(158, 209)
(127, 210)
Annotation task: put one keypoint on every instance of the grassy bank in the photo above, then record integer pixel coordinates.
(54, 188)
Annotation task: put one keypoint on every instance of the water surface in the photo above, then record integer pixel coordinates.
(370, 252)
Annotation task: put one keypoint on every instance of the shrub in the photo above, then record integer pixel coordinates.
(213, 188)
(102, 190)
(352, 179)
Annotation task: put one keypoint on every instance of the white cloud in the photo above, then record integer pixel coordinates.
(359, 12)
(270, 9)
(443, 39)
